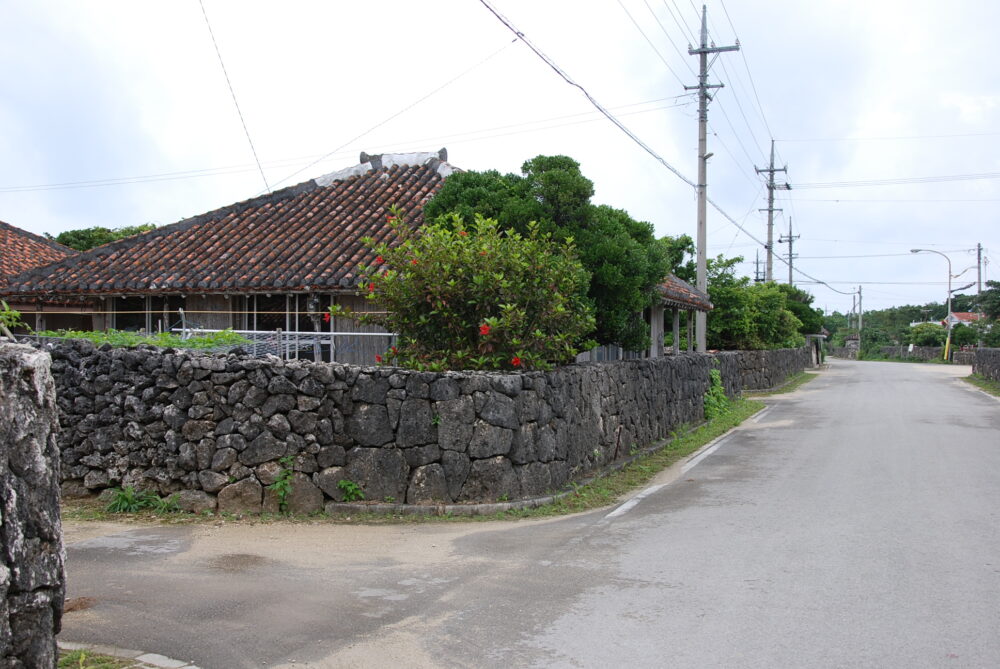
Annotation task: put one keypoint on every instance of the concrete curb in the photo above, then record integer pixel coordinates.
(141, 659)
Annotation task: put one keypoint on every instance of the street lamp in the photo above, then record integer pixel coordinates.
(947, 343)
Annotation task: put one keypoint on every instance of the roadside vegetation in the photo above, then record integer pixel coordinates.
(84, 659)
(984, 384)
(119, 338)
(792, 383)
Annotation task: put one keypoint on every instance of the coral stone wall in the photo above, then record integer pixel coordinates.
(986, 362)
(761, 370)
(223, 428)
(32, 581)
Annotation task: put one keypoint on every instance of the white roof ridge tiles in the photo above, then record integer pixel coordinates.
(388, 160)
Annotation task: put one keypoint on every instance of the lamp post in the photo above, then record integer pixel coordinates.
(947, 318)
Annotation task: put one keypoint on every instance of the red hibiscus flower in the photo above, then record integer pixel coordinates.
(484, 329)
(516, 361)
(413, 261)
(326, 317)
(378, 358)
(371, 288)
(394, 351)
(379, 260)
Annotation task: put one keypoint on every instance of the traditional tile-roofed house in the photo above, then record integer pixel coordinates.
(20, 251)
(275, 261)
(961, 317)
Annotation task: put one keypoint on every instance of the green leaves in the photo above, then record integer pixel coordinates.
(624, 259)
(474, 296)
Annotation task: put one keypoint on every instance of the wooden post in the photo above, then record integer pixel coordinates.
(677, 330)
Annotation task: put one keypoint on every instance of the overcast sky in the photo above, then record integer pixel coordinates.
(117, 113)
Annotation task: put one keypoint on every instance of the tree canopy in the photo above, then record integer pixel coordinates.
(748, 315)
(85, 239)
(625, 261)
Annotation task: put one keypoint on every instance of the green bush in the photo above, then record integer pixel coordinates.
(119, 338)
(476, 297)
(926, 334)
(716, 401)
(130, 500)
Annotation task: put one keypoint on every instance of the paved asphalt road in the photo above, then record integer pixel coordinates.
(854, 523)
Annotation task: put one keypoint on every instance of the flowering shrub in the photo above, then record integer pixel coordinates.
(476, 297)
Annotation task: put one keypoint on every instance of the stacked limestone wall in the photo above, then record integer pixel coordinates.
(918, 352)
(761, 370)
(986, 362)
(32, 581)
(218, 427)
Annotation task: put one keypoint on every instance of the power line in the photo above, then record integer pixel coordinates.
(685, 29)
(881, 283)
(233, 93)
(746, 64)
(915, 200)
(889, 138)
(669, 38)
(649, 41)
(238, 169)
(866, 255)
(401, 111)
(899, 181)
(565, 77)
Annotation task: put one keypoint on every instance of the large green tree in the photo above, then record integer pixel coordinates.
(85, 239)
(625, 261)
(747, 316)
(799, 302)
(989, 300)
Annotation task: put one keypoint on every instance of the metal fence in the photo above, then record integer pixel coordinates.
(356, 348)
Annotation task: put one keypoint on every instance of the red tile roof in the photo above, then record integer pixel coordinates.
(21, 250)
(306, 237)
(681, 294)
(966, 316)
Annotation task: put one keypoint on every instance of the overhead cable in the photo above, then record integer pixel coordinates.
(233, 93)
(621, 126)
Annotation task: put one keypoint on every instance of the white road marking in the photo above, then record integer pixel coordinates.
(691, 464)
(627, 506)
(707, 450)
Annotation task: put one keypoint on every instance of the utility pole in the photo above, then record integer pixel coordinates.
(771, 186)
(757, 275)
(979, 274)
(704, 97)
(861, 312)
(791, 256)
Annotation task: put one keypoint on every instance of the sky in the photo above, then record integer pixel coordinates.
(117, 113)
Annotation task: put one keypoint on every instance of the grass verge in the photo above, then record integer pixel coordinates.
(84, 659)
(792, 383)
(608, 489)
(984, 384)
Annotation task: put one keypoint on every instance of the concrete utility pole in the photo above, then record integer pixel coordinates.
(704, 98)
(771, 186)
(791, 256)
(979, 274)
(758, 276)
(861, 312)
